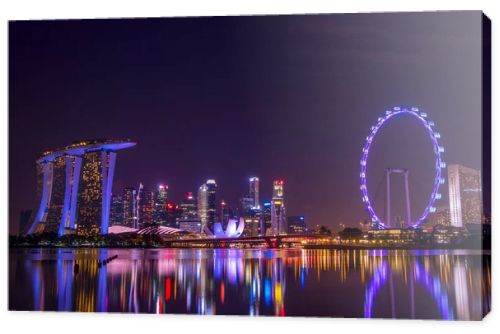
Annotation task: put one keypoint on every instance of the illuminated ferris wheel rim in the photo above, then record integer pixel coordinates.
(439, 164)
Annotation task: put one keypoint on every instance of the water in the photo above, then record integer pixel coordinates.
(440, 284)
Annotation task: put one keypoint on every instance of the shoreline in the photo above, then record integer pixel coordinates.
(310, 247)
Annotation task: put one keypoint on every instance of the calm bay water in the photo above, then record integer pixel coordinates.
(442, 284)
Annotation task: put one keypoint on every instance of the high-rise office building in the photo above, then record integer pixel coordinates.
(278, 214)
(212, 202)
(203, 205)
(160, 205)
(253, 223)
(173, 214)
(188, 218)
(296, 225)
(465, 195)
(116, 211)
(223, 216)
(188, 207)
(246, 205)
(129, 207)
(251, 210)
(254, 191)
(145, 206)
(266, 218)
(227, 213)
(252, 227)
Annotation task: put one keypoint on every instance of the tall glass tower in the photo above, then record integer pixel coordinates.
(212, 202)
(160, 206)
(254, 191)
(278, 215)
(129, 207)
(203, 206)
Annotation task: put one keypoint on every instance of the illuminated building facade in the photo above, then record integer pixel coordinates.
(251, 210)
(190, 225)
(278, 214)
(160, 205)
(188, 207)
(252, 226)
(173, 214)
(116, 212)
(266, 218)
(203, 206)
(145, 206)
(74, 187)
(55, 209)
(296, 225)
(442, 216)
(188, 215)
(246, 204)
(129, 207)
(254, 191)
(465, 195)
(212, 202)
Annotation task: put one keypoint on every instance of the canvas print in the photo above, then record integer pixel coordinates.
(333, 165)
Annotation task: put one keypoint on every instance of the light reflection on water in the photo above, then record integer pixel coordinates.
(339, 283)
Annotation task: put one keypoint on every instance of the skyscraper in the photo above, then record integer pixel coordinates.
(145, 206)
(246, 205)
(254, 191)
(278, 215)
(266, 218)
(296, 225)
(212, 202)
(188, 207)
(188, 218)
(173, 214)
(465, 195)
(116, 212)
(160, 205)
(203, 205)
(129, 207)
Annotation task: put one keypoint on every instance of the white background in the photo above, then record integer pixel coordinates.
(51, 322)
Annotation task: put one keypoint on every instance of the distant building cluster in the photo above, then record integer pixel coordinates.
(204, 213)
(74, 196)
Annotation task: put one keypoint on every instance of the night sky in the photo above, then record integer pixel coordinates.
(289, 97)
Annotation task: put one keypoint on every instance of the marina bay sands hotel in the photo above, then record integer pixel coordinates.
(74, 186)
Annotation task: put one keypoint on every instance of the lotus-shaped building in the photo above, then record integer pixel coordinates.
(234, 229)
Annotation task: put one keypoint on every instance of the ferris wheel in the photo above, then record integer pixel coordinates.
(439, 165)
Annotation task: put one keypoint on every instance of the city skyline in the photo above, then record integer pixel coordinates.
(283, 112)
(328, 165)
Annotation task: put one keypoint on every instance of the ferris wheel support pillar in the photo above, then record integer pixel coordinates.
(388, 197)
(388, 173)
(407, 191)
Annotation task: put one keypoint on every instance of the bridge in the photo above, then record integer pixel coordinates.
(279, 241)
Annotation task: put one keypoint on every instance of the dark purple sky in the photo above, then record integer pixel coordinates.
(289, 97)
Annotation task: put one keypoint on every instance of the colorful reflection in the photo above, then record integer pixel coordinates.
(295, 282)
